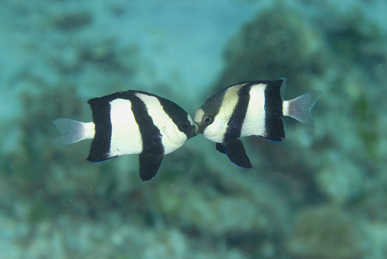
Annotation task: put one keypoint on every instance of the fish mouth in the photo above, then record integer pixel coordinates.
(200, 128)
(195, 130)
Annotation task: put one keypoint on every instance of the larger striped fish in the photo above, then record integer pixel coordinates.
(251, 108)
(131, 122)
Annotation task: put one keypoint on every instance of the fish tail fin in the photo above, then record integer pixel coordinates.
(72, 131)
(301, 107)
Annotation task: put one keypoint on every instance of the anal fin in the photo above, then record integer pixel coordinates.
(236, 153)
(149, 165)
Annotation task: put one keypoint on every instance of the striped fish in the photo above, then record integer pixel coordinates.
(251, 108)
(131, 122)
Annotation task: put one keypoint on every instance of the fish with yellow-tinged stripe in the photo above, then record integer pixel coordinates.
(251, 108)
(131, 122)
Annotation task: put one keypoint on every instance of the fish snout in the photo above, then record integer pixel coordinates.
(195, 130)
(200, 128)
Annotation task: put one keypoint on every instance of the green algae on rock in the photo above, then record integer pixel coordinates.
(326, 233)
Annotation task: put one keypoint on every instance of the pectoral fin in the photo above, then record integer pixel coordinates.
(235, 151)
(149, 165)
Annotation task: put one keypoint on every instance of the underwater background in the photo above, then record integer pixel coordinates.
(321, 193)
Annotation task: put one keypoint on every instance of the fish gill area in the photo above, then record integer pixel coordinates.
(319, 194)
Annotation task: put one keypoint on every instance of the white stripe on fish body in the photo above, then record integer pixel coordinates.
(199, 115)
(217, 129)
(285, 108)
(172, 138)
(126, 136)
(254, 122)
(89, 130)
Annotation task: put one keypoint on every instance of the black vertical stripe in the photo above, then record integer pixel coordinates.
(214, 103)
(100, 146)
(152, 147)
(234, 125)
(274, 125)
(179, 117)
(150, 134)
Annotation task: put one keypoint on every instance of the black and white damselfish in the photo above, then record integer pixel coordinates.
(251, 108)
(131, 122)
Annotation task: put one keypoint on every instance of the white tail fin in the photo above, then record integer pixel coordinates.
(300, 108)
(72, 131)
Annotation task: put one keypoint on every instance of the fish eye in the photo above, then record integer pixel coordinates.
(207, 119)
(183, 126)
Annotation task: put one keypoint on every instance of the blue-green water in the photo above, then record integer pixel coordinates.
(320, 193)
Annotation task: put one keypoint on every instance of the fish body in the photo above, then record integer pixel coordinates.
(251, 108)
(131, 122)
